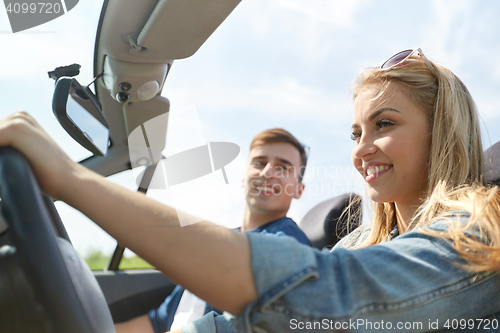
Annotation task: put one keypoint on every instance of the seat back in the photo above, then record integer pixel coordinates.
(492, 165)
(327, 222)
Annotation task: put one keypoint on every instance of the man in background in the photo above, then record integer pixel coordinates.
(273, 177)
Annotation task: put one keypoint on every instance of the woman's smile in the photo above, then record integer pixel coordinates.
(373, 172)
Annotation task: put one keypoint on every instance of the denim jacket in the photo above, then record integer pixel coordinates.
(162, 317)
(409, 284)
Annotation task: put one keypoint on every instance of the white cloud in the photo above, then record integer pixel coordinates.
(338, 13)
(56, 43)
(463, 31)
(311, 22)
(286, 97)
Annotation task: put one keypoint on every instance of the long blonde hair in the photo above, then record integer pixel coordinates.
(455, 167)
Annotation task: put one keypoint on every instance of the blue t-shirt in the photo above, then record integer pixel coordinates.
(163, 317)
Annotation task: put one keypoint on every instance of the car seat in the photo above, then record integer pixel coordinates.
(327, 222)
(491, 163)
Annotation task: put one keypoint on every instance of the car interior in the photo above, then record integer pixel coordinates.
(45, 286)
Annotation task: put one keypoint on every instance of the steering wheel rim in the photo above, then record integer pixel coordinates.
(65, 295)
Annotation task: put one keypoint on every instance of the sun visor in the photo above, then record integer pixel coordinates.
(136, 114)
(177, 28)
(146, 124)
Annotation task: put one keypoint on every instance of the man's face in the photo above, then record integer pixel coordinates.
(271, 179)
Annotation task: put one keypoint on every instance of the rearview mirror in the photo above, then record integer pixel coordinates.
(79, 113)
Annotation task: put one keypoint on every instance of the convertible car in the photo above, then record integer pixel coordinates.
(45, 286)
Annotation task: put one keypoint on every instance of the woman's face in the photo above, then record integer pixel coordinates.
(393, 144)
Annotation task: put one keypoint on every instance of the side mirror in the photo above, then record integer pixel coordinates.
(79, 113)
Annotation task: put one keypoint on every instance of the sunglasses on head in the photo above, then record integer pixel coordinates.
(402, 56)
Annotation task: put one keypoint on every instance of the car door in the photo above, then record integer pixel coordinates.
(130, 285)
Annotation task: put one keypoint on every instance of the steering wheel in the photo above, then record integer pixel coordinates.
(45, 286)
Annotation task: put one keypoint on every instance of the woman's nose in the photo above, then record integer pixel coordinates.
(364, 148)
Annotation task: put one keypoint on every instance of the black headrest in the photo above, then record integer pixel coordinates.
(326, 223)
(492, 164)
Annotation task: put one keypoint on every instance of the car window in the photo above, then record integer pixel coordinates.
(89, 240)
(130, 260)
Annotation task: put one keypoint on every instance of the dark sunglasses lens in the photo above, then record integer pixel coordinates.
(396, 59)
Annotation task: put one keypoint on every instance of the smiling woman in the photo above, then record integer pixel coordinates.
(410, 133)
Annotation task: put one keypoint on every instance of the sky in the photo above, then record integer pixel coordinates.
(272, 63)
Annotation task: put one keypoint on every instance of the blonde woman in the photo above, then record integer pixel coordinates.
(429, 261)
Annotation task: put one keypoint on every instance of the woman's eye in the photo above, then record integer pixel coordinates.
(355, 136)
(383, 123)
